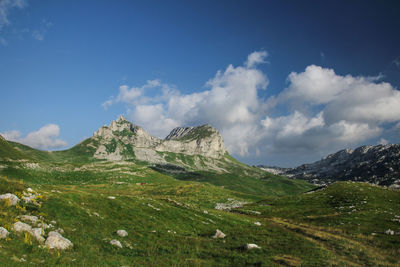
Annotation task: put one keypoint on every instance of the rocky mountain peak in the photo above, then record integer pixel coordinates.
(378, 164)
(186, 133)
(122, 139)
(178, 132)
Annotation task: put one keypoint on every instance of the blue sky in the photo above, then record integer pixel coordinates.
(297, 79)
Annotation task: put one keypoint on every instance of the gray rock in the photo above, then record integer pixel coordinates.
(38, 234)
(3, 233)
(22, 227)
(122, 233)
(116, 243)
(13, 199)
(32, 219)
(218, 234)
(251, 246)
(56, 241)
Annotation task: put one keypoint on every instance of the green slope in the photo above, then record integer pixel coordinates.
(170, 223)
(7, 151)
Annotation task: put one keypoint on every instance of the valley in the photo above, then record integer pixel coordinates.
(172, 202)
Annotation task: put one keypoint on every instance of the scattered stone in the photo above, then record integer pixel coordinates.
(111, 197)
(122, 233)
(3, 233)
(389, 232)
(29, 190)
(32, 219)
(56, 241)
(128, 245)
(44, 225)
(154, 208)
(28, 198)
(116, 243)
(13, 199)
(205, 212)
(231, 204)
(22, 227)
(38, 234)
(251, 246)
(53, 222)
(59, 230)
(257, 223)
(218, 234)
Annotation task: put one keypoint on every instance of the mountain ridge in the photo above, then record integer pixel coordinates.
(378, 164)
(134, 141)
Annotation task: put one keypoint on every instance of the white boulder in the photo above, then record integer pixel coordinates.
(389, 232)
(218, 234)
(13, 199)
(251, 246)
(116, 243)
(56, 241)
(3, 233)
(122, 233)
(38, 234)
(32, 219)
(22, 227)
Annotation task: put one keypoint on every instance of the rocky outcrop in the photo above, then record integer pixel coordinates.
(3, 233)
(374, 164)
(56, 241)
(10, 198)
(124, 140)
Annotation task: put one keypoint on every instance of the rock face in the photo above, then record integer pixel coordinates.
(124, 140)
(374, 164)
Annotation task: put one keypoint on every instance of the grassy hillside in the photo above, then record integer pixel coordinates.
(170, 214)
(170, 223)
(7, 151)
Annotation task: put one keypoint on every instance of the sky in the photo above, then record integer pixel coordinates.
(285, 82)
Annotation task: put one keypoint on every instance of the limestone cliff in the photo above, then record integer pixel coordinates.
(124, 140)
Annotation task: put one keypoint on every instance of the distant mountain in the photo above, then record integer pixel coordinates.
(122, 140)
(374, 164)
(190, 148)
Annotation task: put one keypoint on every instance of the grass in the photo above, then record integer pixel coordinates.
(169, 214)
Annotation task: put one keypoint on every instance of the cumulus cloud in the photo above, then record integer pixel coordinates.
(231, 104)
(319, 110)
(44, 138)
(256, 58)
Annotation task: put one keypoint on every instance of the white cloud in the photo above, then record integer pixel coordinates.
(131, 96)
(383, 141)
(6, 6)
(319, 111)
(44, 138)
(11, 135)
(255, 58)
